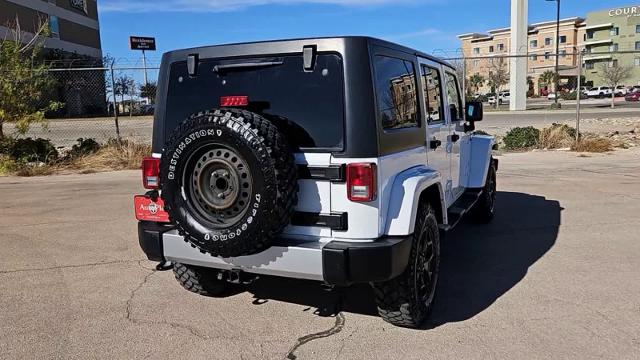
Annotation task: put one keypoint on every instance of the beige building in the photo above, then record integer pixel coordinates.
(73, 24)
(540, 49)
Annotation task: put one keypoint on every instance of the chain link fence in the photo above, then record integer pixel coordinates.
(100, 103)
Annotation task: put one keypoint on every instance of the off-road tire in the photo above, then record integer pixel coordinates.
(399, 299)
(484, 210)
(199, 280)
(269, 172)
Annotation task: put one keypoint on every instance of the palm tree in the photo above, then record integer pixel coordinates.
(547, 77)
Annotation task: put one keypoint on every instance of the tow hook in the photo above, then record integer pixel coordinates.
(164, 266)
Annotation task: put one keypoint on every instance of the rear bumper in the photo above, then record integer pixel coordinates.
(334, 262)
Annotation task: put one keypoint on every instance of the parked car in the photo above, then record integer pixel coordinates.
(331, 195)
(633, 96)
(551, 96)
(600, 92)
(620, 90)
(503, 98)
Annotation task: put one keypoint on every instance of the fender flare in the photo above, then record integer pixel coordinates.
(405, 198)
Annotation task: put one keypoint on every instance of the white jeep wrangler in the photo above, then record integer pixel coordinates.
(332, 159)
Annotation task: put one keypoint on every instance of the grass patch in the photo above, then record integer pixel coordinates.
(593, 144)
(85, 158)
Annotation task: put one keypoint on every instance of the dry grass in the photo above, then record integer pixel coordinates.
(112, 156)
(593, 144)
(557, 137)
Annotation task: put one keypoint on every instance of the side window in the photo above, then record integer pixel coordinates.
(432, 93)
(396, 94)
(453, 98)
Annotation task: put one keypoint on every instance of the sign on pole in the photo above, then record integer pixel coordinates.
(142, 43)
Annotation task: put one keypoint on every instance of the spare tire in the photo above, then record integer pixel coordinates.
(229, 181)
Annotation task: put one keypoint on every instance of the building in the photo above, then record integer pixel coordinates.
(73, 24)
(485, 51)
(608, 32)
(74, 41)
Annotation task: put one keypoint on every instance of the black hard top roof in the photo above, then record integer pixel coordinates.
(299, 42)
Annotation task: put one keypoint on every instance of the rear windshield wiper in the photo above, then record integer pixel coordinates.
(246, 65)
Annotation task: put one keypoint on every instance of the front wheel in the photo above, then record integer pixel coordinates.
(484, 209)
(408, 299)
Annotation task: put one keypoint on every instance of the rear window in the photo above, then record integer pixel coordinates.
(308, 106)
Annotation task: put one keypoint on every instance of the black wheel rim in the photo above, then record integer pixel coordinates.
(218, 185)
(426, 274)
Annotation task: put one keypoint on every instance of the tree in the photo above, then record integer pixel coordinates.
(613, 75)
(498, 77)
(476, 81)
(24, 79)
(548, 77)
(149, 91)
(125, 85)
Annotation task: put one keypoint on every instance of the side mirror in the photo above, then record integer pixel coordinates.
(474, 111)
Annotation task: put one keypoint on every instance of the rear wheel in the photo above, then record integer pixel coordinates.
(407, 300)
(200, 280)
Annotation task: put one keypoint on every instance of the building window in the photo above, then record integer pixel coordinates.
(547, 55)
(613, 47)
(533, 43)
(548, 41)
(533, 57)
(54, 27)
(563, 53)
(637, 45)
(563, 39)
(589, 65)
(476, 63)
(476, 51)
(491, 48)
(500, 47)
(636, 61)
(637, 29)
(397, 102)
(589, 34)
(615, 31)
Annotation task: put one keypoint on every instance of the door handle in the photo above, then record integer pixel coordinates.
(454, 137)
(434, 144)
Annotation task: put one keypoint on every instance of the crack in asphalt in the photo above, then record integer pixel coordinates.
(69, 266)
(129, 313)
(336, 328)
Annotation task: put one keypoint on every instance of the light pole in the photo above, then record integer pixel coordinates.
(557, 75)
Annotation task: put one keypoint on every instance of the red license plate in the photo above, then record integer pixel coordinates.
(149, 210)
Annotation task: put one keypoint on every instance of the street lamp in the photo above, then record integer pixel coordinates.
(556, 78)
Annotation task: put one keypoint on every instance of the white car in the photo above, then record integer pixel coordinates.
(551, 96)
(621, 90)
(503, 98)
(600, 92)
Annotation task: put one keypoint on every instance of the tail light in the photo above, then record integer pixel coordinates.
(361, 182)
(150, 173)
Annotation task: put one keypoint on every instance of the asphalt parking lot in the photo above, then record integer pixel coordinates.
(554, 276)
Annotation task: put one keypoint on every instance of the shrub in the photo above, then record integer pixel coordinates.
(84, 147)
(557, 136)
(29, 150)
(521, 138)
